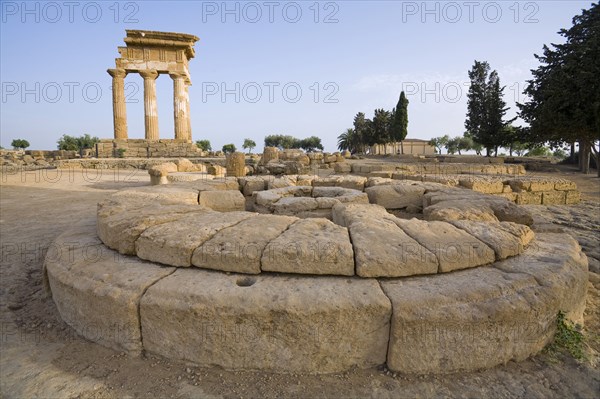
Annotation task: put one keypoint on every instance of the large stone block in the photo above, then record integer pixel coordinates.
(222, 200)
(174, 242)
(239, 248)
(553, 197)
(382, 249)
(396, 196)
(454, 248)
(310, 246)
(483, 317)
(268, 323)
(96, 290)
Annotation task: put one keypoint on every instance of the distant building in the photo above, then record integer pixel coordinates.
(408, 146)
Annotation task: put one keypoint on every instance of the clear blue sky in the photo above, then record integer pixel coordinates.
(344, 56)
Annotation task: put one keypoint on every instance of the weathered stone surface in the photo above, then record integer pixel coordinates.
(346, 181)
(222, 200)
(483, 317)
(396, 196)
(96, 290)
(162, 169)
(164, 195)
(572, 197)
(345, 214)
(482, 184)
(500, 240)
(184, 165)
(522, 232)
(269, 323)
(454, 248)
(507, 211)
(236, 164)
(176, 177)
(269, 154)
(528, 198)
(342, 167)
(553, 197)
(120, 230)
(310, 246)
(251, 184)
(173, 243)
(294, 205)
(239, 248)
(460, 210)
(382, 249)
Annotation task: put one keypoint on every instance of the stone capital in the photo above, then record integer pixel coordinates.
(117, 73)
(177, 75)
(149, 74)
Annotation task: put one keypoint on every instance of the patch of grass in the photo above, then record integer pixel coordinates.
(568, 338)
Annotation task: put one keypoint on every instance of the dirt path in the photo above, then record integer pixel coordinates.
(40, 356)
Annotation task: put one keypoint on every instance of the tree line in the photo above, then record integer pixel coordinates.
(385, 127)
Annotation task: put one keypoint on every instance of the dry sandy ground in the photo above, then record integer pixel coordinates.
(40, 356)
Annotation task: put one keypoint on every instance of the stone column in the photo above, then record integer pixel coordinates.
(180, 106)
(188, 83)
(119, 108)
(150, 109)
(236, 164)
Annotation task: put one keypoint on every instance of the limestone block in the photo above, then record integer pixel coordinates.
(283, 181)
(310, 246)
(553, 197)
(522, 232)
(465, 321)
(97, 291)
(488, 186)
(184, 165)
(454, 248)
(174, 242)
(382, 249)
(294, 205)
(507, 211)
(396, 196)
(177, 177)
(528, 198)
(222, 200)
(239, 248)
(460, 210)
(381, 173)
(346, 181)
(346, 214)
(216, 170)
(162, 169)
(164, 195)
(120, 231)
(321, 325)
(305, 180)
(236, 164)
(572, 197)
(564, 185)
(500, 240)
(342, 167)
(251, 184)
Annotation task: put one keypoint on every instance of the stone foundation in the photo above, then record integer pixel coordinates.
(141, 148)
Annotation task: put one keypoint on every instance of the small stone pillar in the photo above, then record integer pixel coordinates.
(150, 108)
(180, 106)
(118, 97)
(236, 164)
(269, 154)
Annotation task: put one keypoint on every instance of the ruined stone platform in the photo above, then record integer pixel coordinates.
(462, 288)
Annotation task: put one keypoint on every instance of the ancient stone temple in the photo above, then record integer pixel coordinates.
(150, 54)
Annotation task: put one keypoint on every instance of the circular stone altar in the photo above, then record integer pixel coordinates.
(184, 272)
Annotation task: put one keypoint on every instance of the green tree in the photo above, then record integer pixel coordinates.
(72, 143)
(380, 126)
(204, 145)
(347, 141)
(361, 132)
(249, 145)
(399, 123)
(282, 141)
(563, 103)
(485, 107)
(539, 151)
(311, 143)
(229, 148)
(19, 144)
(439, 142)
